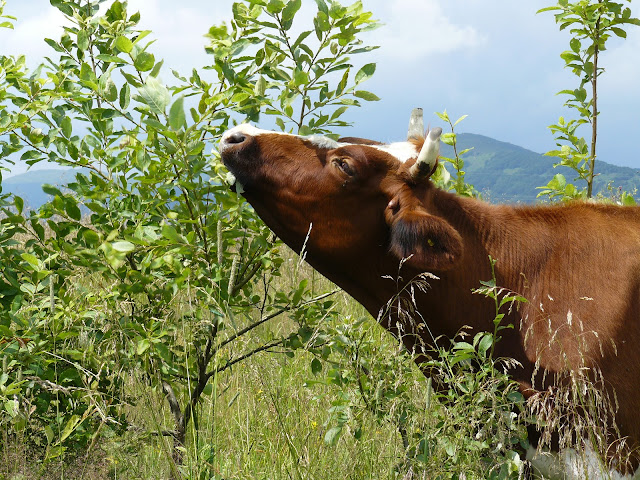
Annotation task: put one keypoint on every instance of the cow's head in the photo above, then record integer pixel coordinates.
(348, 197)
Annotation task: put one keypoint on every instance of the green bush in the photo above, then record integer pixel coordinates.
(147, 263)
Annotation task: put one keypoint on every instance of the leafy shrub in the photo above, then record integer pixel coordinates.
(147, 264)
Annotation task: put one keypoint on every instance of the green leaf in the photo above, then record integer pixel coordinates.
(291, 9)
(370, 97)
(143, 346)
(123, 246)
(70, 426)
(109, 89)
(297, 296)
(71, 207)
(300, 77)
(156, 69)
(569, 56)
(299, 41)
(91, 237)
(339, 112)
(463, 346)
(619, 32)
(321, 23)
(177, 118)
(460, 119)
(83, 40)
(48, 431)
(333, 435)
(155, 94)
(485, 344)
(32, 260)
(627, 199)
(170, 233)
(125, 96)
(111, 58)
(67, 127)
(19, 203)
(336, 11)
(547, 9)
(322, 7)
(86, 73)
(144, 61)
(316, 366)
(580, 94)
(444, 116)
(365, 72)
(260, 86)
(575, 45)
(51, 190)
(275, 6)
(124, 44)
(131, 79)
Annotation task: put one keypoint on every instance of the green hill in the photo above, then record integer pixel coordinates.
(506, 173)
(502, 172)
(29, 185)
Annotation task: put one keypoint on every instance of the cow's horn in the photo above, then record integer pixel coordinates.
(428, 155)
(416, 125)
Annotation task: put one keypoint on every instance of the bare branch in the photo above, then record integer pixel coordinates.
(244, 357)
(271, 316)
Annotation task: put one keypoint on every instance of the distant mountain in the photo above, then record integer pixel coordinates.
(502, 172)
(29, 185)
(506, 173)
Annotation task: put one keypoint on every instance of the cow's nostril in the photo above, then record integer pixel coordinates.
(236, 138)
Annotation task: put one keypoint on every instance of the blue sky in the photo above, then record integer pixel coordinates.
(494, 60)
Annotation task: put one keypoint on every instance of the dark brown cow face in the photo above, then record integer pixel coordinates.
(349, 199)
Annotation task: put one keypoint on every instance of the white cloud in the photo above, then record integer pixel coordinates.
(179, 28)
(30, 31)
(417, 28)
(622, 69)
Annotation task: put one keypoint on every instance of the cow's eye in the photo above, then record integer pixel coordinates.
(345, 166)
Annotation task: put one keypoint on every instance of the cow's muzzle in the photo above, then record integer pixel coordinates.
(238, 147)
(232, 139)
(239, 151)
(236, 140)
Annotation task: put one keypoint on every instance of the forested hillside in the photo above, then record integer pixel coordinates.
(506, 173)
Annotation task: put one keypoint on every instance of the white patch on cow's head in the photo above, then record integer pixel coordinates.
(403, 151)
(321, 141)
(243, 128)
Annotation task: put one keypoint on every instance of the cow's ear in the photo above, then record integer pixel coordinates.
(427, 241)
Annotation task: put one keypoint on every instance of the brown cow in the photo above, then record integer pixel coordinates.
(366, 206)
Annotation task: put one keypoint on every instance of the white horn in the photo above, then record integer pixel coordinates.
(416, 125)
(428, 155)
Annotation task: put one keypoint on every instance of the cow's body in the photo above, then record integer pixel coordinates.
(578, 265)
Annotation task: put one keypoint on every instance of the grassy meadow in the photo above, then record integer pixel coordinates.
(261, 421)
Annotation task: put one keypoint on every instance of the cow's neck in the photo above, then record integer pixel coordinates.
(501, 232)
(449, 302)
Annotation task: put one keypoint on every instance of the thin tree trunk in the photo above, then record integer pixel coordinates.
(179, 435)
(594, 122)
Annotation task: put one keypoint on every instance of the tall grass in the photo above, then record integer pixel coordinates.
(259, 421)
